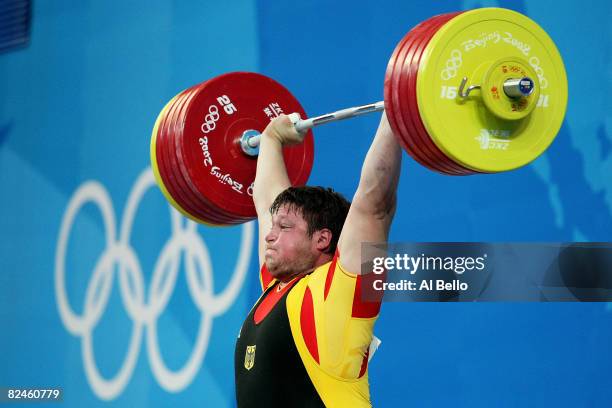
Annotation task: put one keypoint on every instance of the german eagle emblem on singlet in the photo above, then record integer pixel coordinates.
(249, 357)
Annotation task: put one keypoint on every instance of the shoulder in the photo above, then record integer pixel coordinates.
(321, 279)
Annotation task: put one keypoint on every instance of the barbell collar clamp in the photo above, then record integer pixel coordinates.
(246, 142)
(519, 87)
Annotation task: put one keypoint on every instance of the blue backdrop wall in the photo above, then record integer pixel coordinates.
(95, 294)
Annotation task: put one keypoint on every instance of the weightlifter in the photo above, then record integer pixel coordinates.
(305, 342)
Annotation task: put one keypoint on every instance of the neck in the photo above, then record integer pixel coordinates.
(323, 259)
(286, 278)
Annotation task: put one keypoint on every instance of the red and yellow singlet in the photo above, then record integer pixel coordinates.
(312, 336)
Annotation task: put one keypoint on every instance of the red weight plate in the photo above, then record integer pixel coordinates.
(442, 161)
(221, 211)
(166, 166)
(176, 134)
(395, 93)
(170, 130)
(184, 172)
(217, 214)
(156, 160)
(409, 109)
(195, 208)
(400, 84)
(197, 211)
(222, 110)
(161, 160)
(393, 113)
(399, 90)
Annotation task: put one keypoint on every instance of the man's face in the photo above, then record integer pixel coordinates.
(289, 249)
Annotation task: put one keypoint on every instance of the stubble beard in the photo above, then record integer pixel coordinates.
(284, 269)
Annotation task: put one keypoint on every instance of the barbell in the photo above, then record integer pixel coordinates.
(480, 91)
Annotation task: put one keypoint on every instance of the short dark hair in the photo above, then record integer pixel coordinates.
(320, 207)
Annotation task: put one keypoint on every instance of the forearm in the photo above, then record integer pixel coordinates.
(377, 188)
(271, 177)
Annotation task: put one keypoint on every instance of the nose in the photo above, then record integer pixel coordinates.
(271, 236)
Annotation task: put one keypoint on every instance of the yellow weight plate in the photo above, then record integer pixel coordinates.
(470, 45)
(155, 166)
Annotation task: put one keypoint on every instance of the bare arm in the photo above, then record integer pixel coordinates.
(373, 206)
(271, 177)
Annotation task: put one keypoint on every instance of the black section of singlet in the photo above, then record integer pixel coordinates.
(277, 377)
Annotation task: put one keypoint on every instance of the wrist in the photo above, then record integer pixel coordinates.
(271, 138)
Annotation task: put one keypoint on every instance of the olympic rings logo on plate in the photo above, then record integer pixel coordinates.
(452, 65)
(118, 251)
(535, 63)
(210, 120)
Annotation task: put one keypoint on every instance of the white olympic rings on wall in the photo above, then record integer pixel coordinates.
(118, 251)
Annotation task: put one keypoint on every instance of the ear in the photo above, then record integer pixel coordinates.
(323, 239)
